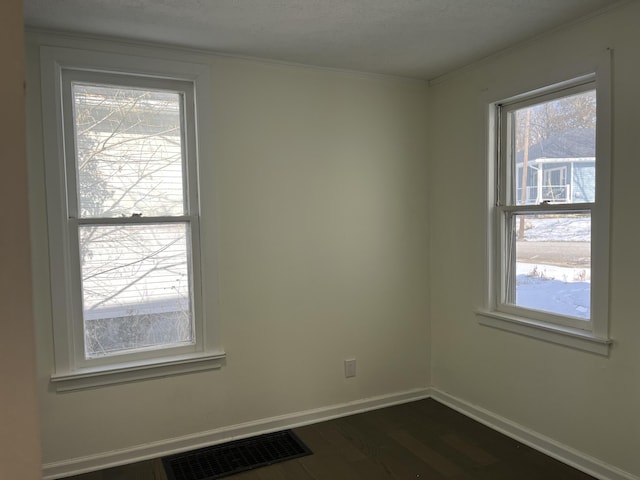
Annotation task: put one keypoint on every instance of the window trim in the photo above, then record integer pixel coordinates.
(595, 338)
(71, 370)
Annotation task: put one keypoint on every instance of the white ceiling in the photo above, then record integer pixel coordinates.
(414, 38)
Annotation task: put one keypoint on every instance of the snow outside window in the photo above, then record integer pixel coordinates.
(550, 213)
(124, 223)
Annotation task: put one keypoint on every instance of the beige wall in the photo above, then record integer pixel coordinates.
(320, 185)
(585, 401)
(19, 435)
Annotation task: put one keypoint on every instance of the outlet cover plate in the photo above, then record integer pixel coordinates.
(350, 368)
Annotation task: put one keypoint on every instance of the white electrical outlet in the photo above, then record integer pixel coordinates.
(350, 368)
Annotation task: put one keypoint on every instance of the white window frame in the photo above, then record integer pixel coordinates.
(59, 67)
(592, 335)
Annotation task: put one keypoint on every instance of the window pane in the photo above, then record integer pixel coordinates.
(553, 263)
(136, 287)
(128, 151)
(554, 154)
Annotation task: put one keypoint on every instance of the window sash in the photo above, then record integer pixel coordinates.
(76, 331)
(505, 191)
(506, 206)
(70, 76)
(506, 268)
(131, 353)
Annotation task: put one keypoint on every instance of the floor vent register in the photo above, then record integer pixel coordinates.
(219, 461)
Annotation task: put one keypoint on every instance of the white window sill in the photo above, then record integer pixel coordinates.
(128, 372)
(570, 337)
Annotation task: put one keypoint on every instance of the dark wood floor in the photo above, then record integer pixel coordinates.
(419, 440)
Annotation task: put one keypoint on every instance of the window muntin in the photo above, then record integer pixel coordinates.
(545, 205)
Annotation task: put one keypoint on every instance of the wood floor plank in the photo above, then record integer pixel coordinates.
(435, 460)
(328, 466)
(338, 442)
(402, 464)
(295, 470)
(371, 470)
(472, 451)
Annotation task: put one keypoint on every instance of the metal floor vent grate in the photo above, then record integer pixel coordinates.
(227, 459)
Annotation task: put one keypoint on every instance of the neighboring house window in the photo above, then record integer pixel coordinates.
(550, 214)
(123, 218)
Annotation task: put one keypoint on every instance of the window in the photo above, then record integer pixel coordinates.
(124, 218)
(549, 241)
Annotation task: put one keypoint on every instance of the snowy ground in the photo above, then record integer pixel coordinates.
(557, 289)
(572, 229)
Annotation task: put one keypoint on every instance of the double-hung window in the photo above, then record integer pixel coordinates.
(549, 214)
(124, 224)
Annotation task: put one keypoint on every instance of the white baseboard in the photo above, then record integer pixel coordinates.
(170, 446)
(546, 445)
